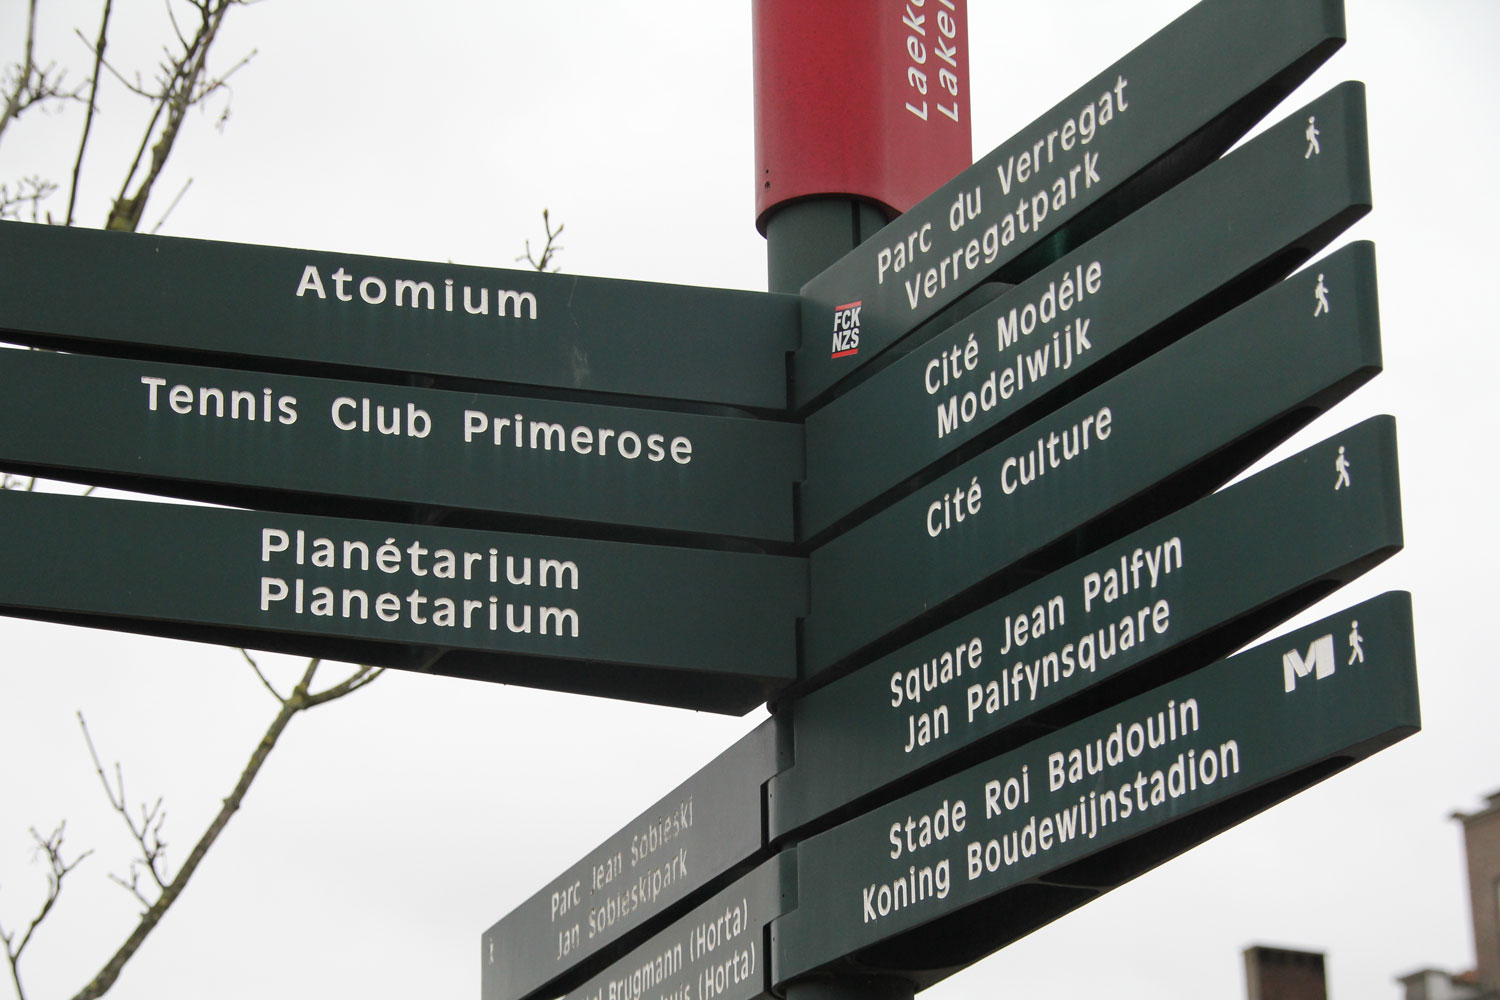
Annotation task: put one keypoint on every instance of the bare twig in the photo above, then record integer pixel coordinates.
(222, 82)
(182, 84)
(551, 250)
(28, 191)
(301, 699)
(88, 118)
(349, 685)
(186, 184)
(16, 94)
(147, 834)
(172, 17)
(31, 85)
(256, 667)
(137, 88)
(49, 847)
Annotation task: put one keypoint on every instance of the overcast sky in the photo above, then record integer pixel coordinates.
(392, 828)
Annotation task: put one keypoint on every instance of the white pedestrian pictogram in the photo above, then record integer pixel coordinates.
(1356, 644)
(1342, 465)
(1321, 294)
(1313, 149)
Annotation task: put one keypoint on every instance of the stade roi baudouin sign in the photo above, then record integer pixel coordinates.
(953, 507)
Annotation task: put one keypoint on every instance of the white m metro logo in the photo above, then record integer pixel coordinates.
(1319, 662)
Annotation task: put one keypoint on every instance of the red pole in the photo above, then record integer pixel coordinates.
(860, 99)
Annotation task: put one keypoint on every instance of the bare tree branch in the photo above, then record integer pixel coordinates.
(147, 834)
(88, 118)
(183, 84)
(51, 848)
(256, 667)
(222, 82)
(186, 184)
(549, 251)
(349, 685)
(176, 30)
(137, 88)
(16, 93)
(31, 85)
(301, 699)
(181, 81)
(28, 191)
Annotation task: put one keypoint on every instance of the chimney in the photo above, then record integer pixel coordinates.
(1434, 984)
(1482, 846)
(1283, 974)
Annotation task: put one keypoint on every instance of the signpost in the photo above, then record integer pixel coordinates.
(1197, 250)
(1024, 722)
(948, 874)
(1006, 572)
(1155, 436)
(312, 311)
(1195, 585)
(713, 630)
(1165, 110)
(323, 445)
(705, 829)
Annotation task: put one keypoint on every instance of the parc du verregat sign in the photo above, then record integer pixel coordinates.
(951, 507)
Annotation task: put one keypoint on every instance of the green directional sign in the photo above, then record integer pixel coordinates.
(705, 829)
(174, 299)
(716, 952)
(1192, 253)
(1195, 585)
(675, 626)
(250, 438)
(1157, 115)
(1152, 438)
(945, 875)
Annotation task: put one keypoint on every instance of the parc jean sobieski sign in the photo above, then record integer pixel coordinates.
(706, 827)
(986, 593)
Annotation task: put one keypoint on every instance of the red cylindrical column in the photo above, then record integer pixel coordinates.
(867, 99)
